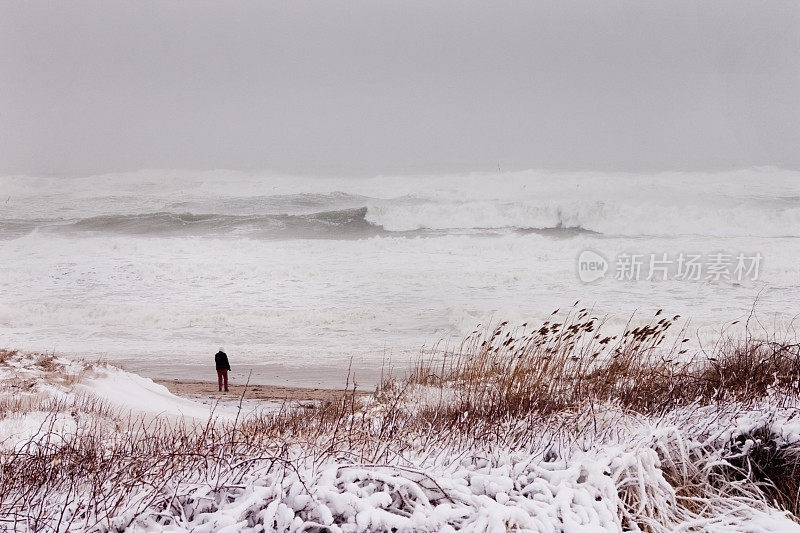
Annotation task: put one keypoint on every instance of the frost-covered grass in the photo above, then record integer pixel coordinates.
(553, 428)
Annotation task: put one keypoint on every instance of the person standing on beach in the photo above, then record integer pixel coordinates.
(221, 360)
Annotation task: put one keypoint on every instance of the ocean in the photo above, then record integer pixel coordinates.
(306, 280)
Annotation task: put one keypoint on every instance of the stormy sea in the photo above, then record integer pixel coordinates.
(305, 279)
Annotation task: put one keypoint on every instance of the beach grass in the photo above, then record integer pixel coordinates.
(703, 434)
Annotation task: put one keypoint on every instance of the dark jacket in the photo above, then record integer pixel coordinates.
(221, 359)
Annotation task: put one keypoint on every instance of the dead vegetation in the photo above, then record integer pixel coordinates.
(570, 361)
(546, 389)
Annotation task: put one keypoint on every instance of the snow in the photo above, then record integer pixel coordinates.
(27, 431)
(35, 379)
(576, 494)
(124, 390)
(620, 475)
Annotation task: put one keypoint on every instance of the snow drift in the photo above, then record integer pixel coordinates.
(456, 446)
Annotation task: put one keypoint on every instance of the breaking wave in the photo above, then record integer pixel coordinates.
(413, 217)
(758, 218)
(338, 223)
(747, 203)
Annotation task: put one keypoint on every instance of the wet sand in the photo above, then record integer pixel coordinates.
(271, 393)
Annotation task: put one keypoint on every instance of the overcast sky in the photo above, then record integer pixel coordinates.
(398, 86)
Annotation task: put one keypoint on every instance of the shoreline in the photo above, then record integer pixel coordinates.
(195, 389)
(333, 375)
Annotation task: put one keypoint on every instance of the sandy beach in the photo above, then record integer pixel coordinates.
(207, 389)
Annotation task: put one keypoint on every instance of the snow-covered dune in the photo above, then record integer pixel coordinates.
(125, 390)
(43, 394)
(70, 459)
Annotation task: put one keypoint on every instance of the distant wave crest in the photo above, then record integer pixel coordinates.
(754, 203)
(776, 218)
(408, 216)
(322, 224)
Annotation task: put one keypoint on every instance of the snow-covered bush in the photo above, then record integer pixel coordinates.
(556, 429)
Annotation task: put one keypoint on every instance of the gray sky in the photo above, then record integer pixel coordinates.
(367, 87)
